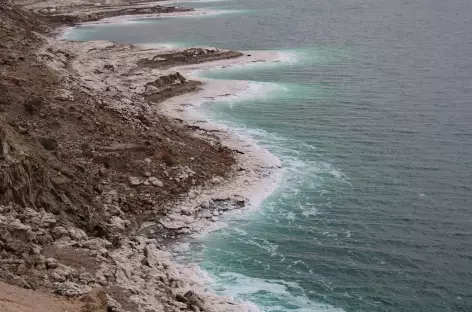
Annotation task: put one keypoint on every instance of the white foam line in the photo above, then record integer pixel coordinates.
(133, 19)
(250, 58)
(258, 182)
(63, 33)
(261, 176)
(159, 46)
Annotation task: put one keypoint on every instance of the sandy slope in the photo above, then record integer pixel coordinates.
(16, 299)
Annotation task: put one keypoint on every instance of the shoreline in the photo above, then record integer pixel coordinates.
(63, 31)
(136, 268)
(255, 177)
(257, 173)
(128, 19)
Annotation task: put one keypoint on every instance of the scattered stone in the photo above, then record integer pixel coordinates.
(113, 306)
(58, 277)
(185, 212)
(59, 231)
(134, 181)
(18, 226)
(216, 180)
(102, 280)
(48, 219)
(77, 234)
(95, 301)
(86, 278)
(180, 298)
(147, 160)
(103, 252)
(156, 182)
(109, 67)
(118, 223)
(150, 89)
(147, 174)
(70, 289)
(21, 269)
(147, 224)
(49, 144)
(51, 263)
(103, 171)
(206, 213)
(97, 244)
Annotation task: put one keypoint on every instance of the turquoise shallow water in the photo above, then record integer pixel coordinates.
(373, 128)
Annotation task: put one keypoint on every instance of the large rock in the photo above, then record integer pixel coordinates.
(194, 300)
(97, 244)
(216, 180)
(77, 234)
(113, 305)
(134, 181)
(48, 219)
(59, 231)
(156, 182)
(70, 289)
(119, 224)
(51, 263)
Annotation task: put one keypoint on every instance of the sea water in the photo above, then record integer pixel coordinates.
(372, 121)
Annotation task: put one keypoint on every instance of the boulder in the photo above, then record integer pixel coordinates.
(77, 234)
(59, 231)
(51, 263)
(70, 289)
(156, 182)
(86, 278)
(134, 181)
(216, 180)
(118, 224)
(21, 269)
(113, 305)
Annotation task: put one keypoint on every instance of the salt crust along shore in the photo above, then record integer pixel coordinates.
(254, 178)
(260, 176)
(129, 19)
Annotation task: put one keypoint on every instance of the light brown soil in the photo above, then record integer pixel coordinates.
(16, 299)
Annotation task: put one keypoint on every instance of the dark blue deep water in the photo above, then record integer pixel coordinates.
(373, 126)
